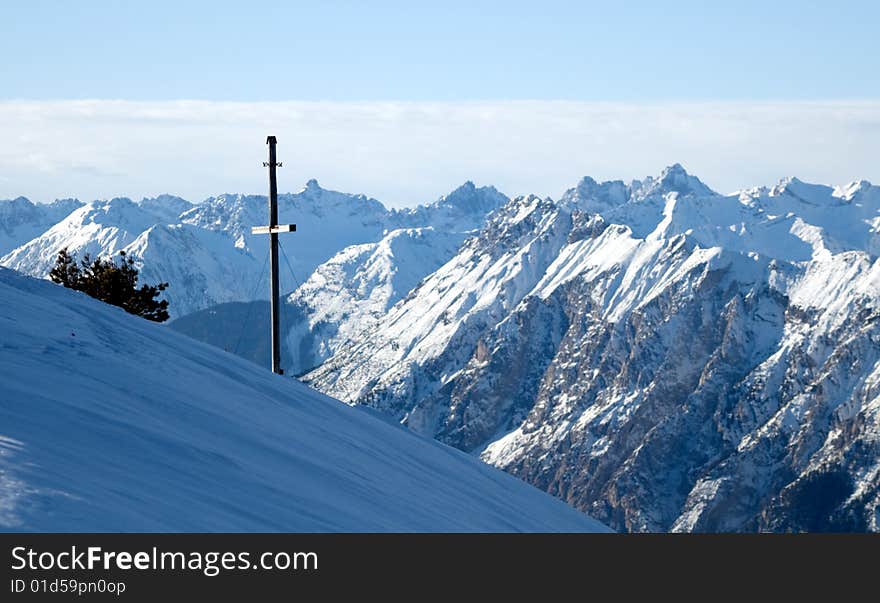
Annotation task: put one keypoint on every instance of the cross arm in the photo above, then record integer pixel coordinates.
(273, 229)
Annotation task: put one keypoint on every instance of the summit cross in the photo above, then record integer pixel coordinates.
(273, 229)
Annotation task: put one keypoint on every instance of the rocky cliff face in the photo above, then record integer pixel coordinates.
(658, 355)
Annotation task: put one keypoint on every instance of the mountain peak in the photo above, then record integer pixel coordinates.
(312, 185)
(853, 189)
(66, 202)
(814, 194)
(167, 207)
(114, 203)
(587, 183)
(163, 198)
(16, 203)
(673, 178)
(469, 198)
(595, 197)
(675, 168)
(467, 186)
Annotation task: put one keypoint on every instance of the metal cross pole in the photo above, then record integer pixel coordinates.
(272, 230)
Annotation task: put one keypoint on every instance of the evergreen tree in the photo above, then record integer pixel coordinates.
(111, 282)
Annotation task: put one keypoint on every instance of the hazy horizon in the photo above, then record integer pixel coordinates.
(408, 153)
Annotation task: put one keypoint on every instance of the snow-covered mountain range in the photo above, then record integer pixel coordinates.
(21, 220)
(206, 251)
(111, 423)
(655, 353)
(662, 356)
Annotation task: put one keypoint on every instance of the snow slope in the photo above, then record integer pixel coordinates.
(349, 293)
(112, 423)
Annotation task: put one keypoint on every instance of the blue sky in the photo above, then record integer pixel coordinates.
(404, 101)
(347, 50)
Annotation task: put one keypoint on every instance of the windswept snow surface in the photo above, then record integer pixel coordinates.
(111, 423)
